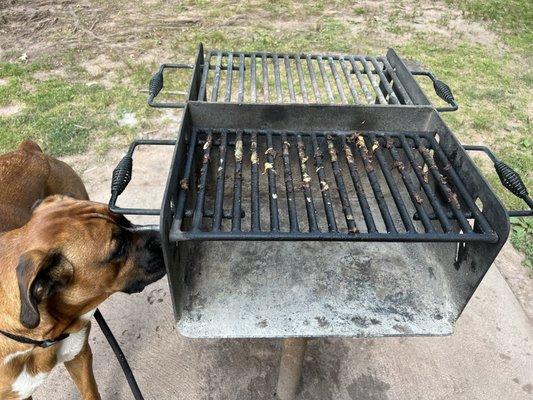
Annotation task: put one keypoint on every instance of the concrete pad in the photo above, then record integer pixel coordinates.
(490, 355)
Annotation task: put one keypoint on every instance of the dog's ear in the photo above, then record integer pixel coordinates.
(40, 274)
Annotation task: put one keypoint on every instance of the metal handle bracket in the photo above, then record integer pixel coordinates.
(510, 179)
(156, 84)
(122, 176)
(442, 90)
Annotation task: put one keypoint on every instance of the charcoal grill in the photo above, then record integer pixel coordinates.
(319, 207)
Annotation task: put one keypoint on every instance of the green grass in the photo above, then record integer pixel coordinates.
(62, 115)
(512, 18)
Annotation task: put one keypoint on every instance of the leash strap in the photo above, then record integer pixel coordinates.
(119, 355)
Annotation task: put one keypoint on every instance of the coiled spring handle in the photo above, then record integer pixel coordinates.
(510, 179)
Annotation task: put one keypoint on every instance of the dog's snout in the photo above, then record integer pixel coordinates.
(155, 261)
(153, 244)
(150, 265)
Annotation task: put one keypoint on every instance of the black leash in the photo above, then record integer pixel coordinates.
(120, 355)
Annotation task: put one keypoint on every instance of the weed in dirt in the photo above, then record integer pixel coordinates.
(522, 239)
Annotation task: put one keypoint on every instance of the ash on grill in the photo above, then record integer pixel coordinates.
(325, 185)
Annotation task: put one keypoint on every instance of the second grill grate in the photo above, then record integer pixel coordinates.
(323, 186)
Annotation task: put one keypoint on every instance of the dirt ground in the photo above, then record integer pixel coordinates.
(107, 27)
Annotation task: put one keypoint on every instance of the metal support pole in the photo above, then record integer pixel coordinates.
(290, 368)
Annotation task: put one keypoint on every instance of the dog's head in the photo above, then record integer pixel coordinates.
(79, 253)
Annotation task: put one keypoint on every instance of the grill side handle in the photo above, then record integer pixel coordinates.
(442, 90)
(122, 177)
(510, 179)
(156, 84)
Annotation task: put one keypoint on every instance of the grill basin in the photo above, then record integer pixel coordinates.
(295, 178)
(368, 286)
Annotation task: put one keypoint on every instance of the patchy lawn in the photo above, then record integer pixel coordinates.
(74, 73)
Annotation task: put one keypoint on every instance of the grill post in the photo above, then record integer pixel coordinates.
(290, 368)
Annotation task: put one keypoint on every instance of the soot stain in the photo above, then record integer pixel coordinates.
(322, 369)
(368, 387)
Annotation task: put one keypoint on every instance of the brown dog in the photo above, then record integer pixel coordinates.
(59, 259)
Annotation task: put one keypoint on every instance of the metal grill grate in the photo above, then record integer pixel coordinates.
(372, 186)
(299, 78)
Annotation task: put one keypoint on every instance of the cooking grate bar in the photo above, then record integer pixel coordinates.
(202, 91)
(277, 80)
(214, 92)
(253, 82)
(391, 162)
(266, 89)
(386, 170)
(325, 79)
(324, 186)
(423, 179)
(301, 79)
(221, 171)
(346, 207)
(185, 183)
(289, 184)
(254, 159)
(237, 188)
(272, 189)
(312, 76)
(289, 78)
(240, 92)
(229, 78)
(306, 178)
(202, 185)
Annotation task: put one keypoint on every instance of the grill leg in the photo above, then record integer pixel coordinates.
(290, 368)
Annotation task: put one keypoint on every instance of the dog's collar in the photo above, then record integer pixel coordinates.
(40, 343)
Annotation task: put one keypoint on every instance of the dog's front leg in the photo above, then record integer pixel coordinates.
(80, 369)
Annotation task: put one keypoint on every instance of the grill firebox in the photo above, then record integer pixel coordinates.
(236, 215)
(279, 159)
